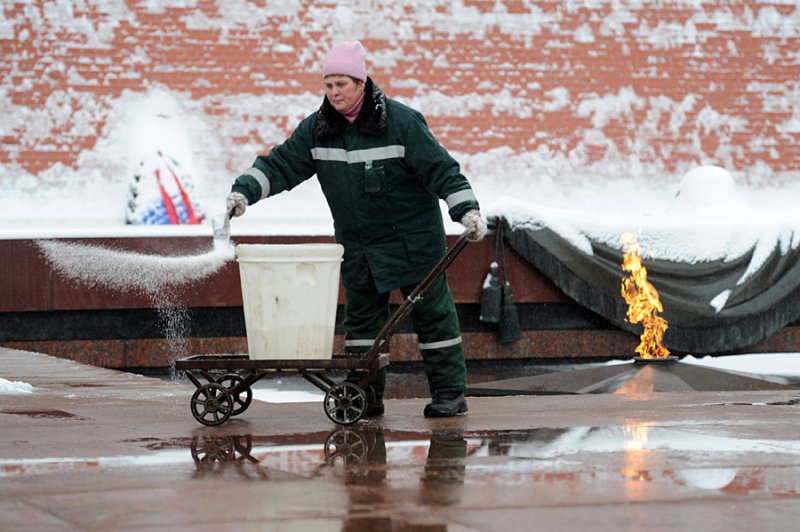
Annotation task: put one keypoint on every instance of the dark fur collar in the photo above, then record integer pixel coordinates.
(371, 120)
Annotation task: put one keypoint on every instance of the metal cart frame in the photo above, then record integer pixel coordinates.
(227, 390)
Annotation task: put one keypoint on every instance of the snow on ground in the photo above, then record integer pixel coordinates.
(770, 364)
(8, 387)
(279, 395)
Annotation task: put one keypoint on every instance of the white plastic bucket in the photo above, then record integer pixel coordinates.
(290, 293)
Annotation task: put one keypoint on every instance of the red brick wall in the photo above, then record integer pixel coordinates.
(670, 84)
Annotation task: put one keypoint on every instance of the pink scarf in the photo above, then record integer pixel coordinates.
(352, 113)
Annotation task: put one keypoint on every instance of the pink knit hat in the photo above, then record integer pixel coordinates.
(346, 59)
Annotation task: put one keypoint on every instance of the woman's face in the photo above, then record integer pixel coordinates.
(342, 91)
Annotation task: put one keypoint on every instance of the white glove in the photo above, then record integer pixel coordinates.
(237, 203)
(475, 222)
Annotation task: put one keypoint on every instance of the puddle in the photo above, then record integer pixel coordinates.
(635, 457)
(52, 414)
(643, 436)
(635, 451)
(789, 402)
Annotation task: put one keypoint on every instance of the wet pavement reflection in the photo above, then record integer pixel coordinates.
(440, 462)
(377, 476)
(371, 478)
(596, 459)
(640, 458)
(356, 455)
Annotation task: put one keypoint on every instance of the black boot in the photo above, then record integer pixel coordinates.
(446, 404)
(376, 410)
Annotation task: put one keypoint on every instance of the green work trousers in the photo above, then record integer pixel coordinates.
(435, 321)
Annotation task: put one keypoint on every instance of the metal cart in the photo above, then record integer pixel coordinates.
(224, 381)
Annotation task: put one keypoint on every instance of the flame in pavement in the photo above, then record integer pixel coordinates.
(643, 301)
(637, 457)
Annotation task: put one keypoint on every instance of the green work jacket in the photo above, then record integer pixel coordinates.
(383, 176)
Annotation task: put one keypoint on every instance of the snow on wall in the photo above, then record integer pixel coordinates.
(521, 91)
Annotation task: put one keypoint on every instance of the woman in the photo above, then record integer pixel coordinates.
(383, 174)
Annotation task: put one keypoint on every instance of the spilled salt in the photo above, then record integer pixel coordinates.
(158, 277)
(132, 271)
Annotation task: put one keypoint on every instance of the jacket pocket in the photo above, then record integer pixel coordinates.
(374, 178)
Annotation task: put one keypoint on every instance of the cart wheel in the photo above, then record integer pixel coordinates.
(347, 444)
(345, 403)
(242, 399)
(211, 404)
(212, 449)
